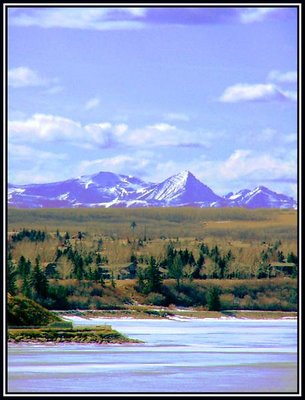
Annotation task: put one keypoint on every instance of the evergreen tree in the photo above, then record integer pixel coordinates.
(214, 253)
(280, 256)
(11, 275)
(39, 281)
(26, 287)
(133, 226)
(88, 259)
(78, 270)
(200, 261)
(222, 266)
(204, 249)
(98, 259)
(292, 258)
(196, 272)
(133, 260)
(23, 267)
(152, 277)
(67, 236)
(58, 254)
(214, 299)
(176, 269)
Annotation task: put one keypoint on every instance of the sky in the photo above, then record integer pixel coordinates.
(153, 91)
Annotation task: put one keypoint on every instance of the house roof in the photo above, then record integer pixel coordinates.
(282, 264)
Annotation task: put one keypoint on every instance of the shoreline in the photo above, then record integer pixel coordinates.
(176, 314)
(80, 333)
(86, 335)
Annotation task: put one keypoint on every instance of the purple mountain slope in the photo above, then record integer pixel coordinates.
(106, 189)
(260, 197)
(180, 189)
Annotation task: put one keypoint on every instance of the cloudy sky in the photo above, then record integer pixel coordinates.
(153, 91)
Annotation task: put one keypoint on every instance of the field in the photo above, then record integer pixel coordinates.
(92, 258)
(230, 223)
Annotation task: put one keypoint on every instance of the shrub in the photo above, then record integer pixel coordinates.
(183, 300)
(156, 299)
(214, 299)
(96, 292)
(95, 303)
(228, 302)
(80, 302)
(247, 303)
(61, 324)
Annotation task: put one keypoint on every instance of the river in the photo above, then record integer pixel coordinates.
(178, 356)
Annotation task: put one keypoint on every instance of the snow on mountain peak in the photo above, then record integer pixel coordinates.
(184, 174)
(107, 189)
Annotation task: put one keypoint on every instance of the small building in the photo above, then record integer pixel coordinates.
(129, 272)
(284, 267)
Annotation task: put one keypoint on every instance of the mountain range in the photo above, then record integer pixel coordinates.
(106, 189)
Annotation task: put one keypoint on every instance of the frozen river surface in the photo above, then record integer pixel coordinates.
(178, 356)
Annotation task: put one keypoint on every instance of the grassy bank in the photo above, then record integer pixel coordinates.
(101, 335)
(144, 312)
(30, 322)
(22, 311)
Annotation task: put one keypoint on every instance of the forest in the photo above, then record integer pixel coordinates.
(216, 259)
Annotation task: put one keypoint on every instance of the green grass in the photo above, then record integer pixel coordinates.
(22, 311)
(104, 334)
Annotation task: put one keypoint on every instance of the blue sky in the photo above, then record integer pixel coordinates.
(150, 91)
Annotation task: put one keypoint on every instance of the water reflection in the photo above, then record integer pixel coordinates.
(199, 356)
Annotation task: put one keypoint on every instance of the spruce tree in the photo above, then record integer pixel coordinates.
(152, 277)
(11, 276)
(39, 281)
(213, 299)
(176, 269)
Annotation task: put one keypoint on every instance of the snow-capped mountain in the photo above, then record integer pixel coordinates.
(106, 189)
(260, 197)
(98, 190)
(180, 189)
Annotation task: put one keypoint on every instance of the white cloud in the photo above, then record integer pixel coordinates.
(52, 128)
(255, 92)
(120, 129)
(118, 164)
(269, 136)
(98, 18)
(35, 165)
(32, 175)
(27, 153)
(92, 103)
(250, 15)
(44, 127)
(283, 77)
(55, 90)
(163, 134)
(176, 117)
(246, 163)
(24, 76)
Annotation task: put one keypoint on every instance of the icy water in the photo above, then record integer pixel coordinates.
(179, 356)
